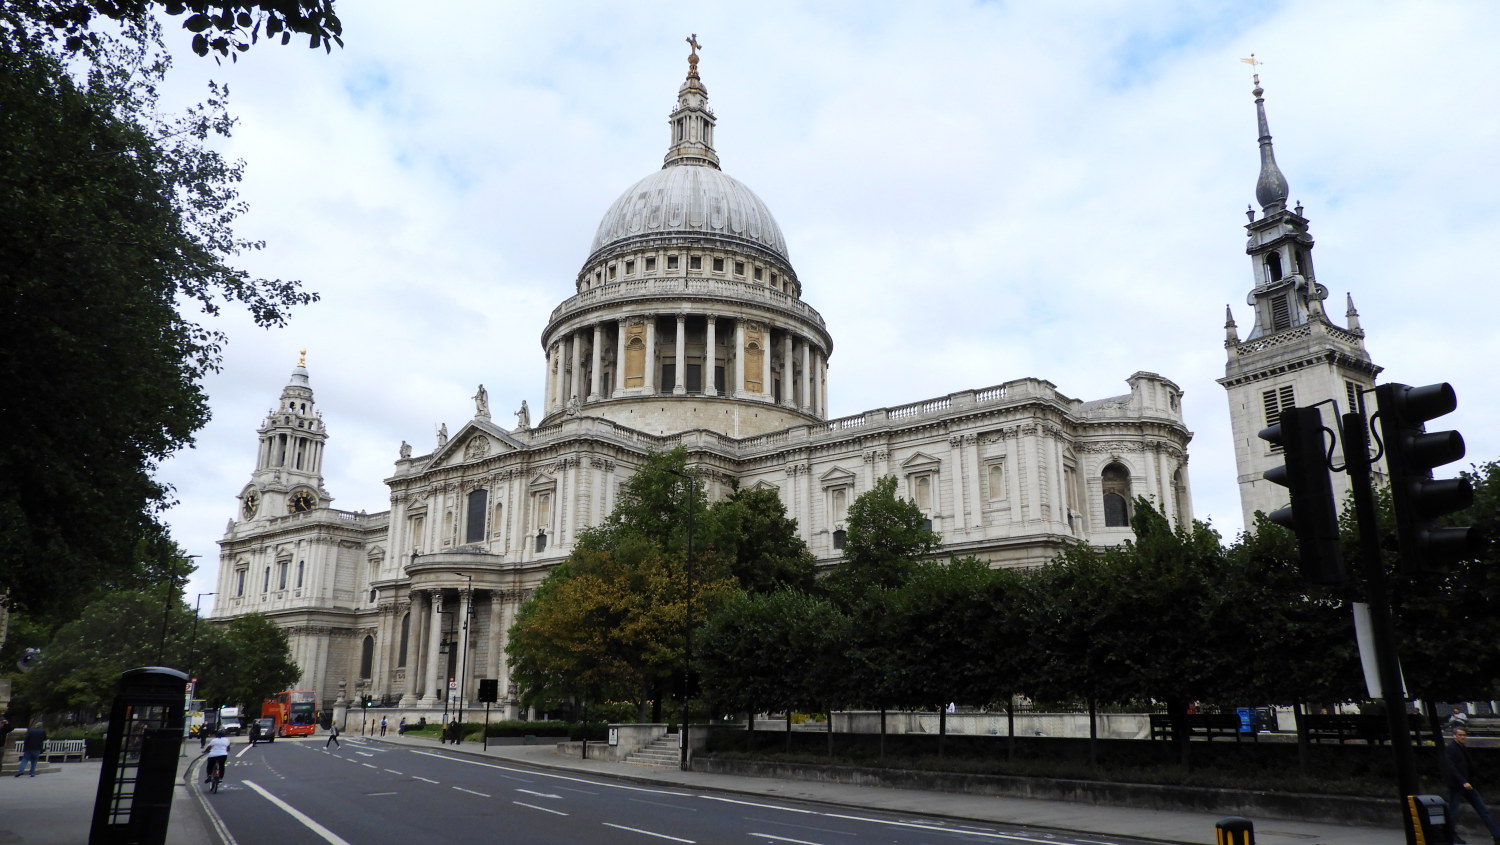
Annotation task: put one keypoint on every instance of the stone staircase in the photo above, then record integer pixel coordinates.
(662, 753)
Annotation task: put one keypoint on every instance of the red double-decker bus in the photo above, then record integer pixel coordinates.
(295, 712)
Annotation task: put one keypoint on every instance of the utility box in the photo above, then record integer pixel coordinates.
(1427, 820)
(134, 802)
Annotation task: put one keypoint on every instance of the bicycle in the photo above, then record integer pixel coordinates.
(215, 773)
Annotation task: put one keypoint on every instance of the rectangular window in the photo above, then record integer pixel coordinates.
(611, 271)
(629, 267)
(695, 262)
(265, 584)
(239, 583)
(694, 378)
(478, 505)
(300, 567)
(760, 273)
(718, 265)
(671, 262)
(668, 378)
(651, 264)
(1352, 391)
(739, 268)
(281, 575)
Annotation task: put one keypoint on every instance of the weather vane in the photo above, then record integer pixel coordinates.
(1253, 63)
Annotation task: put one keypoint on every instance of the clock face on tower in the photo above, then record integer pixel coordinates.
(251, 503)
(301, 501)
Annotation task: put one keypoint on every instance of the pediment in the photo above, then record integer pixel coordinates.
(475, 441)
(766, 485)
(836, 475)
(543, 481)
(920, 460)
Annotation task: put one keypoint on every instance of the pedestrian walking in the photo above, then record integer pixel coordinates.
(31, 749)
(401, 727)
(333, 737)
(1457, 773)
(382, 726)
(453, 731)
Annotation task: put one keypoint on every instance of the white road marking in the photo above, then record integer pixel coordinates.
(472, 792)
(539, 794)
(374, 794)
(419, 777)
(369, 765)
(650, 833)
(393, 771)
(537, 774)
(969, 831)
(326, 834)
(781, 839)
(535, 807)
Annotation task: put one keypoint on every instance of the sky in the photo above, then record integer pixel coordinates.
(971, 193)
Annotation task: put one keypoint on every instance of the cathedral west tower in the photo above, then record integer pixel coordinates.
(1293, 354)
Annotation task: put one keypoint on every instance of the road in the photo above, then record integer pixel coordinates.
(371, 793)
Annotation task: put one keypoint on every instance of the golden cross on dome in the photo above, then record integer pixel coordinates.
(693, 41)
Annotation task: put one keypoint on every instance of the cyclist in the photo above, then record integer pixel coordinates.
(217, 750)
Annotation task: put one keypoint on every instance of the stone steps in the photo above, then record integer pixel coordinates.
(662, 753)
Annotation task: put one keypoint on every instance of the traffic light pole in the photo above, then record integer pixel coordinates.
(1356, 438)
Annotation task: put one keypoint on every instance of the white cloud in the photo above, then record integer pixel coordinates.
(971, 193)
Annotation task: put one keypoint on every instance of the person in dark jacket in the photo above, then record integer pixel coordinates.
(1457, 770)
(31, 749)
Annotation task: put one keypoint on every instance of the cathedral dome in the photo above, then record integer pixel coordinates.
(693, 200)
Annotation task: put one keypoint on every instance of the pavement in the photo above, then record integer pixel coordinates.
(55, 808)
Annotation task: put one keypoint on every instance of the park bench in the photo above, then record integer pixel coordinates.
(64, 748)
(1206, 725)
(1365, 727)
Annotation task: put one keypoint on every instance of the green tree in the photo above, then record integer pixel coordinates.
(886, 536)
(245, 662)
(751, 533)
(120, 217)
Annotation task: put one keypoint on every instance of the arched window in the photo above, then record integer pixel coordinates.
(1273, 267)
(840, 537)
(1116, 486)
(367, 657)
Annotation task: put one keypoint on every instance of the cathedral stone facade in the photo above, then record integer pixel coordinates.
(687, 327)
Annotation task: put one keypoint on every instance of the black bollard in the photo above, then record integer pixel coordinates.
(1234, 831)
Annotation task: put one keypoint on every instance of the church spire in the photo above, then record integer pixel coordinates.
(1270, 187)
(693, 121)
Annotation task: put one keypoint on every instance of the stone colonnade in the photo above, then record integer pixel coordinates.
(709, 355)
(437, 618)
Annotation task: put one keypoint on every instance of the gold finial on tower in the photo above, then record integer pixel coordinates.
(302, 359)
(692, 41)
(1253, 62)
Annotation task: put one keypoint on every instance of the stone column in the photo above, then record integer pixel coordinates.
(709, 352)
(649, 380)
(619, 356)
(787, 398)
(434, 667)
(679, 388)
(806, 398)
(554, 372)
(465, 689)
(576, 385)
(597, 362)
(956, 479)
(765, 365)
(823, 385)
(415, 659)
(739, 358)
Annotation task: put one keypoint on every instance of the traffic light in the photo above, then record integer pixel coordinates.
(367, 701)
(1311, 514)
(1411, 452)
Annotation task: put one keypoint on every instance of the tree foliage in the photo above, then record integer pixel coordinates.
(751, 534)
(216, 26)
(886, 536)
(118, 217)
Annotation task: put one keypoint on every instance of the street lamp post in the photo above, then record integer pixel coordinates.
(463, 657)
(166, 609)
(687, 627)
(193, 640)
